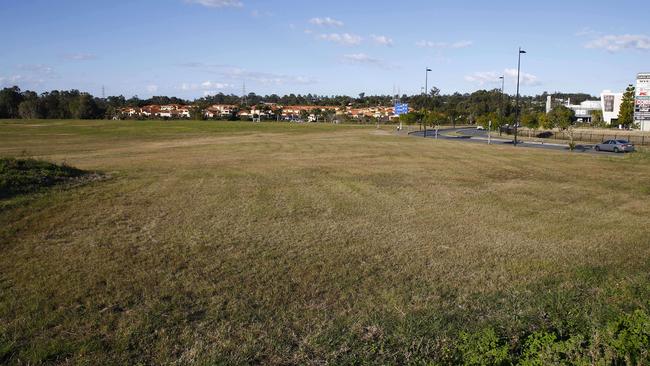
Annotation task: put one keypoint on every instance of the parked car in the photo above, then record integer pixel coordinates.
(615, 146)
(479, 127)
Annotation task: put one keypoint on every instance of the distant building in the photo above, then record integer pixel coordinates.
(220, 110)
(611, 104)
(585, 110)
(642, 101)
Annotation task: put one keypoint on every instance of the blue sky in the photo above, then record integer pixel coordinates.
(189, 48)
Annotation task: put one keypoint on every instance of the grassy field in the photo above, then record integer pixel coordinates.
(240, 243)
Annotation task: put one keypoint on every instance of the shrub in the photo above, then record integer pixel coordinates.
(482, 348)
(20, 176)
(630, 338)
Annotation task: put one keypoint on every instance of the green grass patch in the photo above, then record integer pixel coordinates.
(22, 176)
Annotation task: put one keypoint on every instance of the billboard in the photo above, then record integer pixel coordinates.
(609, 103)
(642, 98)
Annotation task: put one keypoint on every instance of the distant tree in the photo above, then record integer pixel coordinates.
(597, 119)
(544, 121)
(10, 99)
(491, 119)
(411, 118)
(626, 115)
(28, 109)
(329, 115)
(530, 120)
(86, 108)
(196, 113)
(433, 118)
(277, 113)
(483, 120)
(561, 117)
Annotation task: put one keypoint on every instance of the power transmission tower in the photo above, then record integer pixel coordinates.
(244, 99)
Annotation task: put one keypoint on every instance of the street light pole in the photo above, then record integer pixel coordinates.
(426, 96)
(517, 111)
(503, 110)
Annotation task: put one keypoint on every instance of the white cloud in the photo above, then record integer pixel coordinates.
(455, 45)
(29, 76)
(232, 74)
(525, 78)
(461, 44)
(344, 38)
(492, 77)
(364, 59)
(206, 85)
(482, 78)
(211, 85)
(80, 56)
(38, 69)
(6, 81)
(382, 40)
(217, 3)
(326, 22)
(586, 31)
(614, 43)
(152, 88)
(361, 58)
(235, 73)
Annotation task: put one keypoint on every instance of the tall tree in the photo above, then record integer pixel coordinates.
(561, 117)
(530, 120)
(626, 115)
(10, 99)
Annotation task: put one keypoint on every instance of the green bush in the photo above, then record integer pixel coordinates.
(630, 338)
(482, 348)
(625, 341)
(21, 176)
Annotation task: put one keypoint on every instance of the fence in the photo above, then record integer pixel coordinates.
(589, 136)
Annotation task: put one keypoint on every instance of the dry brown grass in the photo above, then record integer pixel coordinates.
(320, 246)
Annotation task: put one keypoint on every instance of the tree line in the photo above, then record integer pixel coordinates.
(434, 108)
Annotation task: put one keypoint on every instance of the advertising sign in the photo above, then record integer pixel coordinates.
(609, 103)
(642, 98)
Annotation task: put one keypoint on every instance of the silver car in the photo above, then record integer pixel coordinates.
(615, 146)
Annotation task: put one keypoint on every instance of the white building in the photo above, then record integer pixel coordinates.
(585, 109)
(611, 104)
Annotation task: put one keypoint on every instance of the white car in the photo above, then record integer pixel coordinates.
(480, 128)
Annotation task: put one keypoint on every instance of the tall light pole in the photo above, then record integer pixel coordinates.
(517, 111)
(426, 95)
(503, 111)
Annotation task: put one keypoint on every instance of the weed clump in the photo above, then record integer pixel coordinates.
(23, 176)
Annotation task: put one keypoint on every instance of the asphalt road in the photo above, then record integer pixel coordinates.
(472, 135)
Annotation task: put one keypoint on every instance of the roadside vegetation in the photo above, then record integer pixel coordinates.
(272, 243)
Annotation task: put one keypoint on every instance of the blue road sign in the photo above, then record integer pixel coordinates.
(401, 108)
